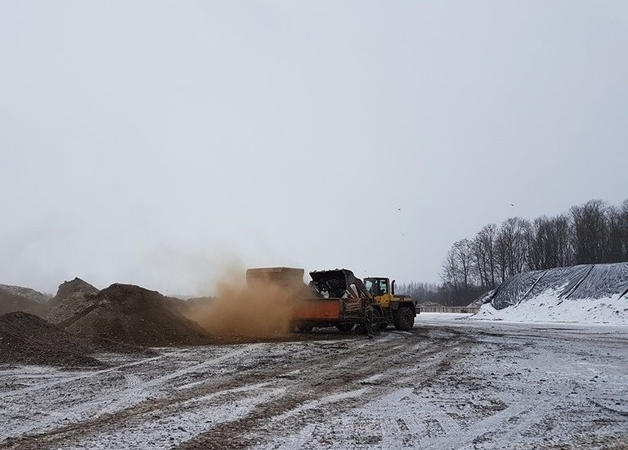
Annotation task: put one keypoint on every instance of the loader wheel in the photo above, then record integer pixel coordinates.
(404, 319)
(345, 327)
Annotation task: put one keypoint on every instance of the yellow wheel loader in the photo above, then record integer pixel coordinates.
(337, 298)
(399, 310)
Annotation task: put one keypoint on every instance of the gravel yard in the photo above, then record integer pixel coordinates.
(445, 384)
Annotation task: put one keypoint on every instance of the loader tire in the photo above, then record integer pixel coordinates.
(404, 319)
(345, 327)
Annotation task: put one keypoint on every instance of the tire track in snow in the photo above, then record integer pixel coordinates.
(83, 376)
(314, 371)
(371, 363)
(495, 422)
(115, 401)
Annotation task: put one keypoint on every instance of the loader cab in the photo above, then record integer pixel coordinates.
(381, 289)
(377, 286)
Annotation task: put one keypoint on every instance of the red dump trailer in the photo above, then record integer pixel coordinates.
(333, 297)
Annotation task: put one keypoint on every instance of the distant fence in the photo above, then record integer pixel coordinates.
(450, 309)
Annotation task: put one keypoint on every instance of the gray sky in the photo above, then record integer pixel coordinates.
(154, 142)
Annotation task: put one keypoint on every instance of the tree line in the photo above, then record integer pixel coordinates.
(592, 233)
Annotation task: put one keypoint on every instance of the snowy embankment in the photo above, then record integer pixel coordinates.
(595, 294)
(548, 308)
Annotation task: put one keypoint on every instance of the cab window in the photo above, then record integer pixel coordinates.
(376, 286)
(371, 286)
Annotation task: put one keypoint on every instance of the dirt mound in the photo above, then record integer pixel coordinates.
(196, 303)
(16, 298)
(74, 299)
(28, 339)
(69, 289)
(135, 315)
(29, 293)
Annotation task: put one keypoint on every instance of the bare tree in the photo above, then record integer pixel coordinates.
(624, 226)
(617, 244)
(457, 270)
(484, 253)
(422, 292)
(564, 250)
(614, 245)
(549, 244)
(589, 232)
(540, 243)
(512, 247)
(464, 254)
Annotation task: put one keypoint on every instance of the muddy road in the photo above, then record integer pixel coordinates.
(441, 385)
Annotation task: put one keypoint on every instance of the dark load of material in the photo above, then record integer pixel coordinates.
(337, 298)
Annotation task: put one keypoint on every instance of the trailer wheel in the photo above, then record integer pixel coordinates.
(345, 327)
(304, 327)
(404, 319)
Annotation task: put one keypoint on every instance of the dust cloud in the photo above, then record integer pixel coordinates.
(261, 309)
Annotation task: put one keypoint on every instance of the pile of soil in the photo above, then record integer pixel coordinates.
(195, 303)
(28, 339)
(29, 293)
(74, 299)
(14, 298)
(190, 308)
(134, 315)
(69, 289)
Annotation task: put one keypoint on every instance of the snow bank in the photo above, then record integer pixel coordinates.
(580, 294)
(550, 308)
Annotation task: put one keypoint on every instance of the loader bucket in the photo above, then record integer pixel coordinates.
(339, 283)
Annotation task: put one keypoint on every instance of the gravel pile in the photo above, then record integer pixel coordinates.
(137, 316)
(74, 299)
(28, 339)
(29, 293)
(118, 318)
(14, 298)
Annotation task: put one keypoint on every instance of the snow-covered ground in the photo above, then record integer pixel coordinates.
(449, 383)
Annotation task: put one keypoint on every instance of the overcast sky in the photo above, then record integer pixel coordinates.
(153, 142)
